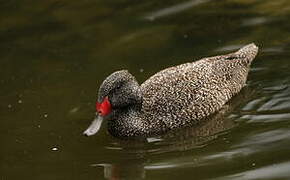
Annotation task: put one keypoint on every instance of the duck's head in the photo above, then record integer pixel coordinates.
(118, 90)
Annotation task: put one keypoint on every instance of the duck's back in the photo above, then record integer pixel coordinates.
(187, 93)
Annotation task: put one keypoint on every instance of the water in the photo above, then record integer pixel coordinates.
(54, 54)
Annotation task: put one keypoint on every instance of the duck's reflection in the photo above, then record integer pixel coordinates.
(124, 170)
(180, 140)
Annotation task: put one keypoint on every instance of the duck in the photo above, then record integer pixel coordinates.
(173, 98)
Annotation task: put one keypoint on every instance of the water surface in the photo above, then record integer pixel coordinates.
(54, 55)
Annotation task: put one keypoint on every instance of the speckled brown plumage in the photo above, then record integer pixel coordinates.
(174, 97)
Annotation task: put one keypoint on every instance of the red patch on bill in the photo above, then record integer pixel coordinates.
(104, 108)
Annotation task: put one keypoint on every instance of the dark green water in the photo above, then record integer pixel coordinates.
(54, 55)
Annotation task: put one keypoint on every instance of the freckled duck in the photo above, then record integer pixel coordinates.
(175, 97)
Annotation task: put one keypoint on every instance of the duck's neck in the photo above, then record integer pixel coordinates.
(127, 122)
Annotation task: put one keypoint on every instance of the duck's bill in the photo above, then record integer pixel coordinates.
(94, 127)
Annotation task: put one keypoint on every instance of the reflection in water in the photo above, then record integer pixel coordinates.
(132, 170)
(174, 9)
(276, 171)
(255, 21)
(180, 140)
(263, 142)
(272, 107)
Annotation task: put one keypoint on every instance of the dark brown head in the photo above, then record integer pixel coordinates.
(119, 90)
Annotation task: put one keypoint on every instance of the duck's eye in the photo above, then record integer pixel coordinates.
(118, 87)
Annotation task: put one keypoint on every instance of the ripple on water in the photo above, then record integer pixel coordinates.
(273, 107)
(275, 171)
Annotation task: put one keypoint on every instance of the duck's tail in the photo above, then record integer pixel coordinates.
(247, 53)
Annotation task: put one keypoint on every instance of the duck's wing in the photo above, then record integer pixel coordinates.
(198, 89)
